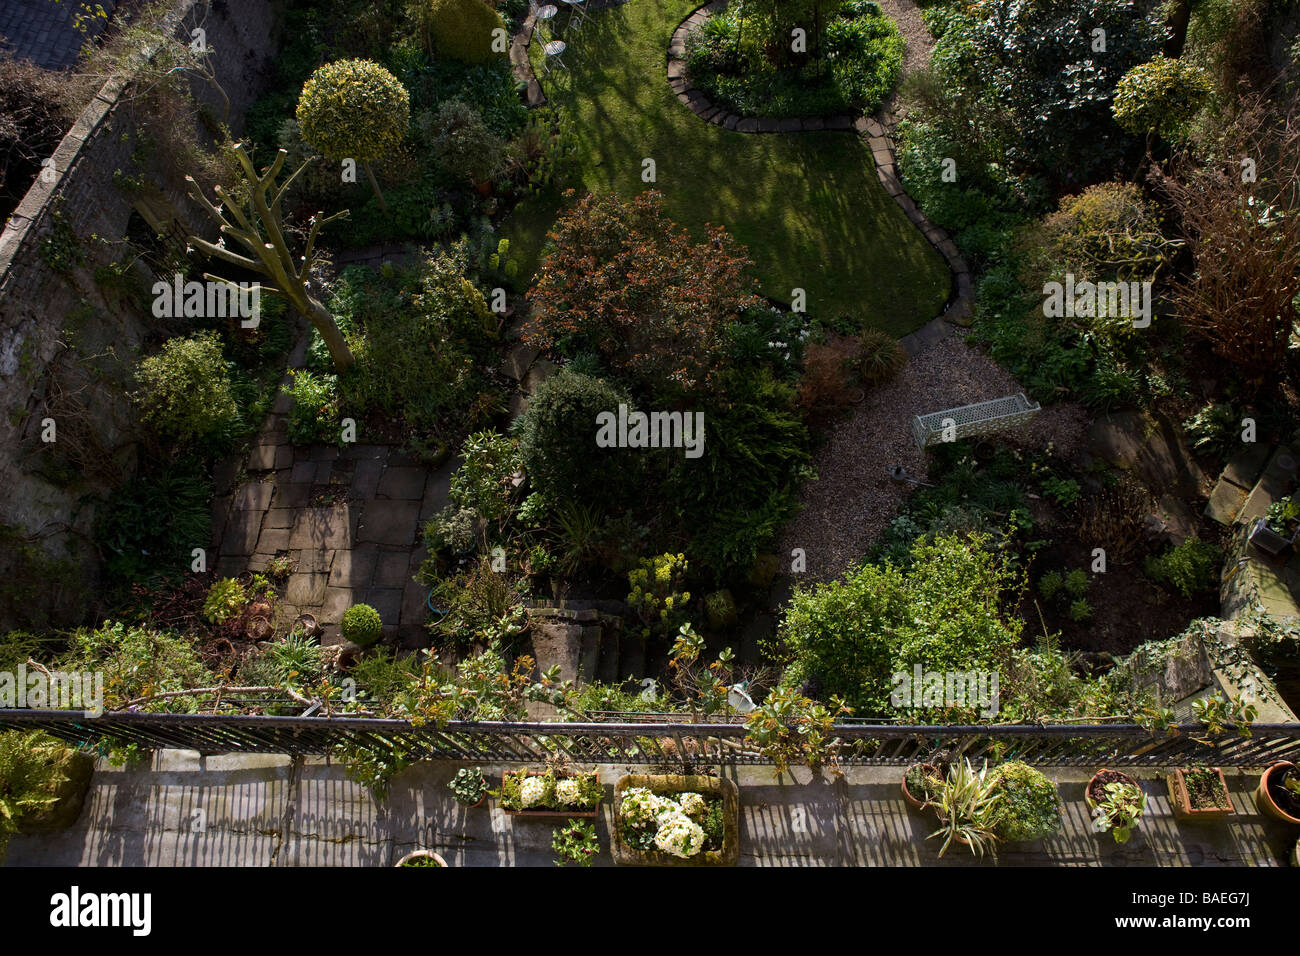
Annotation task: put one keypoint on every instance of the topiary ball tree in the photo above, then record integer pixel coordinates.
(361, 625)
(354, 109)
(1162, 97)
(463, 30)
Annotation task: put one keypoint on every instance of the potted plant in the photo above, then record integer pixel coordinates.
(1117, 803)
(1029, 808)
(921, 785)
(1276, 531)
(469, 786)
(1199, 793)
(575, 843)
(551, 793)
(1278, 794)
(968, 805)
(675, 820)
(421, 858)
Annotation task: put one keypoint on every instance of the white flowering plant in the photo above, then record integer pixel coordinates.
(532, 792)
(679, 835)
(683, 825)
(523, 790)
(568, 792)
(693, 805)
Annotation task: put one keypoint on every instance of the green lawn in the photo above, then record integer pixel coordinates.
(808, 205)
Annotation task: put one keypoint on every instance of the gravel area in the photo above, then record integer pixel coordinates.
(907, 16)
(854, 499)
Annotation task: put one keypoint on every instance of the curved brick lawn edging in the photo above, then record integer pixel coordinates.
(878, 139)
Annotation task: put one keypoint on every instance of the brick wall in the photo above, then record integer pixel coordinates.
(43, 309)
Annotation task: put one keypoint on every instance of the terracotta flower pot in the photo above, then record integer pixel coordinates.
(916, 803)
(421, 854)
(1264, 800)
(1181, 800)
(1099, 781)
(258, 628)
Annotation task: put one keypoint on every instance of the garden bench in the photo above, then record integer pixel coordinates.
(982, 418)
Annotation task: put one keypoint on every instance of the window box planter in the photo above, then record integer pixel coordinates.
(1269, 541)
(1272, 799)
(669, 786)
(1191, 790)
(551, 807)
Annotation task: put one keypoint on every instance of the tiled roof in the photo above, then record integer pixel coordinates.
(43, 31)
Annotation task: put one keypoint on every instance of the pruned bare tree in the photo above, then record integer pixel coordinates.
(256, 222)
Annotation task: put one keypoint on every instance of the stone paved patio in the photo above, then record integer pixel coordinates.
(269, 810)
(350, 519)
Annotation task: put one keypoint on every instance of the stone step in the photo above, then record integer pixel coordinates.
(1275, 483)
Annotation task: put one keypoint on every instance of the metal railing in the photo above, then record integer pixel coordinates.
(660, 743)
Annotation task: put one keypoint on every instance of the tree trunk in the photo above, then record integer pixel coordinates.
(1179, 18)
(324, 322)
(374, 184)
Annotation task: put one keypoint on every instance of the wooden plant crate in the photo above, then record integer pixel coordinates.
(1181, 800)
(625, 855)
(548, 813)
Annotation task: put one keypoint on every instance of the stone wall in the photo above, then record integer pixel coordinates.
(63, 332)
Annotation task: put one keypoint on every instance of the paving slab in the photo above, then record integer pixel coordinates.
(306, 588)
(254, 496)
(352, 569)
(403, 483)
(335, 603)
(326, 528)
(1245, 468)
(241, 533)
(389, 522)
(387, 601)
(278, 518)
(392, 569)
(272, 540)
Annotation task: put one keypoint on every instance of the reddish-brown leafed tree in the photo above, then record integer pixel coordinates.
(628, 281)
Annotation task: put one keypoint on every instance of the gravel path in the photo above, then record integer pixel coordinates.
(907, 17)
(854, 498)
